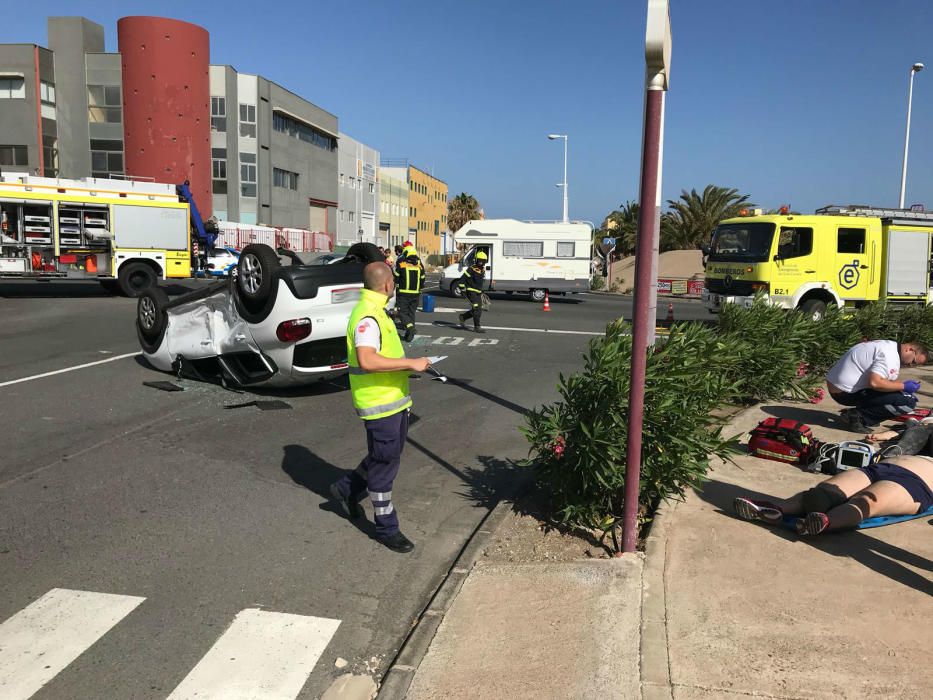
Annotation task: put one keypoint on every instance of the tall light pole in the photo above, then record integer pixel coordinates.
(554, 137)
(916, 68)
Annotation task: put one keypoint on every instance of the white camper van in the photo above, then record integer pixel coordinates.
(526, 256)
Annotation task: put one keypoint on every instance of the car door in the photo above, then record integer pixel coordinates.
(794, 258)
(852, 269)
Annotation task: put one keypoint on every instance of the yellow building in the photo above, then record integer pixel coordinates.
(427, 215)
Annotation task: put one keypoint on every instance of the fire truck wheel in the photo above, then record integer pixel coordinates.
(151, 318)
(814, 308)
(135, 278)
(255, 271)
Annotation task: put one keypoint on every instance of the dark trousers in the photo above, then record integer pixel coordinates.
(407, 305)
(876, 406)
(385, 439)
(476, 308)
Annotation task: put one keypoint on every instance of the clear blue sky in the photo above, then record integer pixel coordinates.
(796, 102)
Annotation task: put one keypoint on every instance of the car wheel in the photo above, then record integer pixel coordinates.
(255, 271)
(814, 308)
(538, 294)
(151, 318)
(364, 253)
(135, 278)
(455, 290)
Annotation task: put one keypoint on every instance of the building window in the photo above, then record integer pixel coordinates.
(13, 155)
(248, 174)
(104, 104)
(219, 114)
(342, 215)
(351, 216)
(284, 178)
(219, 170)
(341, 179)
(565, 249)
(372, 188)
(106, 157)
(303, 132)
(12, 88)
(47, 92)
(50, 155)
(248, 121)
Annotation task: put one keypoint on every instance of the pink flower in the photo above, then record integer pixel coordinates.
(818, 396)
(802, 369)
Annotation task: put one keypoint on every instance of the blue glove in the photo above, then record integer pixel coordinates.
(911, 386)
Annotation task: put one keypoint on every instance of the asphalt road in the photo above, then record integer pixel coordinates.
(195, 506)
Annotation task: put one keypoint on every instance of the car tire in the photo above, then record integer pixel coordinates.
(364, 253)
(256, 270)
(151, 318)
(538, 294)
(135, 278)
(814, 309)
(455, 290)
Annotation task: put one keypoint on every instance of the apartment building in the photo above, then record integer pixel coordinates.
(358, 194)
(427, 206)
(393, 209)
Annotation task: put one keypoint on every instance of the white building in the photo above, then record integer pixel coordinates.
(357, 193)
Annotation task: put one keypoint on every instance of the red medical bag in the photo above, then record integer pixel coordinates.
(783, 440)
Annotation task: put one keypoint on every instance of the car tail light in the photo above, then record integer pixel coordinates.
(294, 330)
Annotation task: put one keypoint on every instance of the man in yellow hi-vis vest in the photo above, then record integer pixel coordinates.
(379, 387)
(409, 279)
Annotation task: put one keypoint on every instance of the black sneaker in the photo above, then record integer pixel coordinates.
(397, 543)
(352, 509)
(854, 422)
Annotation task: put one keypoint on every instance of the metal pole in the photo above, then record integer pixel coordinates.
(644, 267)
(566, 205)
(910, 98)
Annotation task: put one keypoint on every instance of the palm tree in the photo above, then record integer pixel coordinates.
(622, 224)
(461, 209)
(696, 215)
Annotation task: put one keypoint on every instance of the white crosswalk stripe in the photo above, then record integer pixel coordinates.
(262, 656)
(40, 640)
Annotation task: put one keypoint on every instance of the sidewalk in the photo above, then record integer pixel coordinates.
(721, 608)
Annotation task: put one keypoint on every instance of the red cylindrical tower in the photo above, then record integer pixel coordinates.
(167, 102)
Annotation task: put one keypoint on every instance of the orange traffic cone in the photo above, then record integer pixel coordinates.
(547, 302)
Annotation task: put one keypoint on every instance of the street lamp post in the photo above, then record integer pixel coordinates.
(916, 68)
(563, 185)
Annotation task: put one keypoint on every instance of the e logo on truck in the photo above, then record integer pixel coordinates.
(849, 275)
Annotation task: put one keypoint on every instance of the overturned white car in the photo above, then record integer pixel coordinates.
(270, 325)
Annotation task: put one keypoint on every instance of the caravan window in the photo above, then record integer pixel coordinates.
(565, 249)
(523, 249)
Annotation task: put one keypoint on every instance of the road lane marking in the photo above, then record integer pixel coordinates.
(262, 656)
(69, 369)
(41, 640)
(524, 330)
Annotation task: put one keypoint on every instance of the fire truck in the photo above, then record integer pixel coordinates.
(125, 234)
(841, 255)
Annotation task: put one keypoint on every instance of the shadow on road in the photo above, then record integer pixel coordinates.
(881, 557)
(68, 290)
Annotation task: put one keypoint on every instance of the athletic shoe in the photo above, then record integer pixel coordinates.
(352, 509)
(765, 511)
(812, 524)
(397, 543)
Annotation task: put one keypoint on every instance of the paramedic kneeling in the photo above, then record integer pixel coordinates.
(866, 378)
(379, 387)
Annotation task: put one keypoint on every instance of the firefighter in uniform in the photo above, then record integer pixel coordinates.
(409, 279)
(379, 387)
(472, 285)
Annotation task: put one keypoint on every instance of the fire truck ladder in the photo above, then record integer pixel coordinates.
(900, 215)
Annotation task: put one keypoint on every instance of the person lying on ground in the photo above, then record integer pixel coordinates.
(897, 486)
(914, 438)
(866, 379)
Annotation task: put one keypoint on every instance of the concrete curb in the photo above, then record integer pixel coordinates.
(395, 683)
(655, 662)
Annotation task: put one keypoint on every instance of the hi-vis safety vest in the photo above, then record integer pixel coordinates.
(376, 394)
(408, 278)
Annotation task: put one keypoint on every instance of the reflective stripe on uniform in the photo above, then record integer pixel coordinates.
(382, 408)
(380, 495)
(478, 291)
(387, 510)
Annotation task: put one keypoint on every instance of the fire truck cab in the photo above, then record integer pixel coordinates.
(843, 256)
